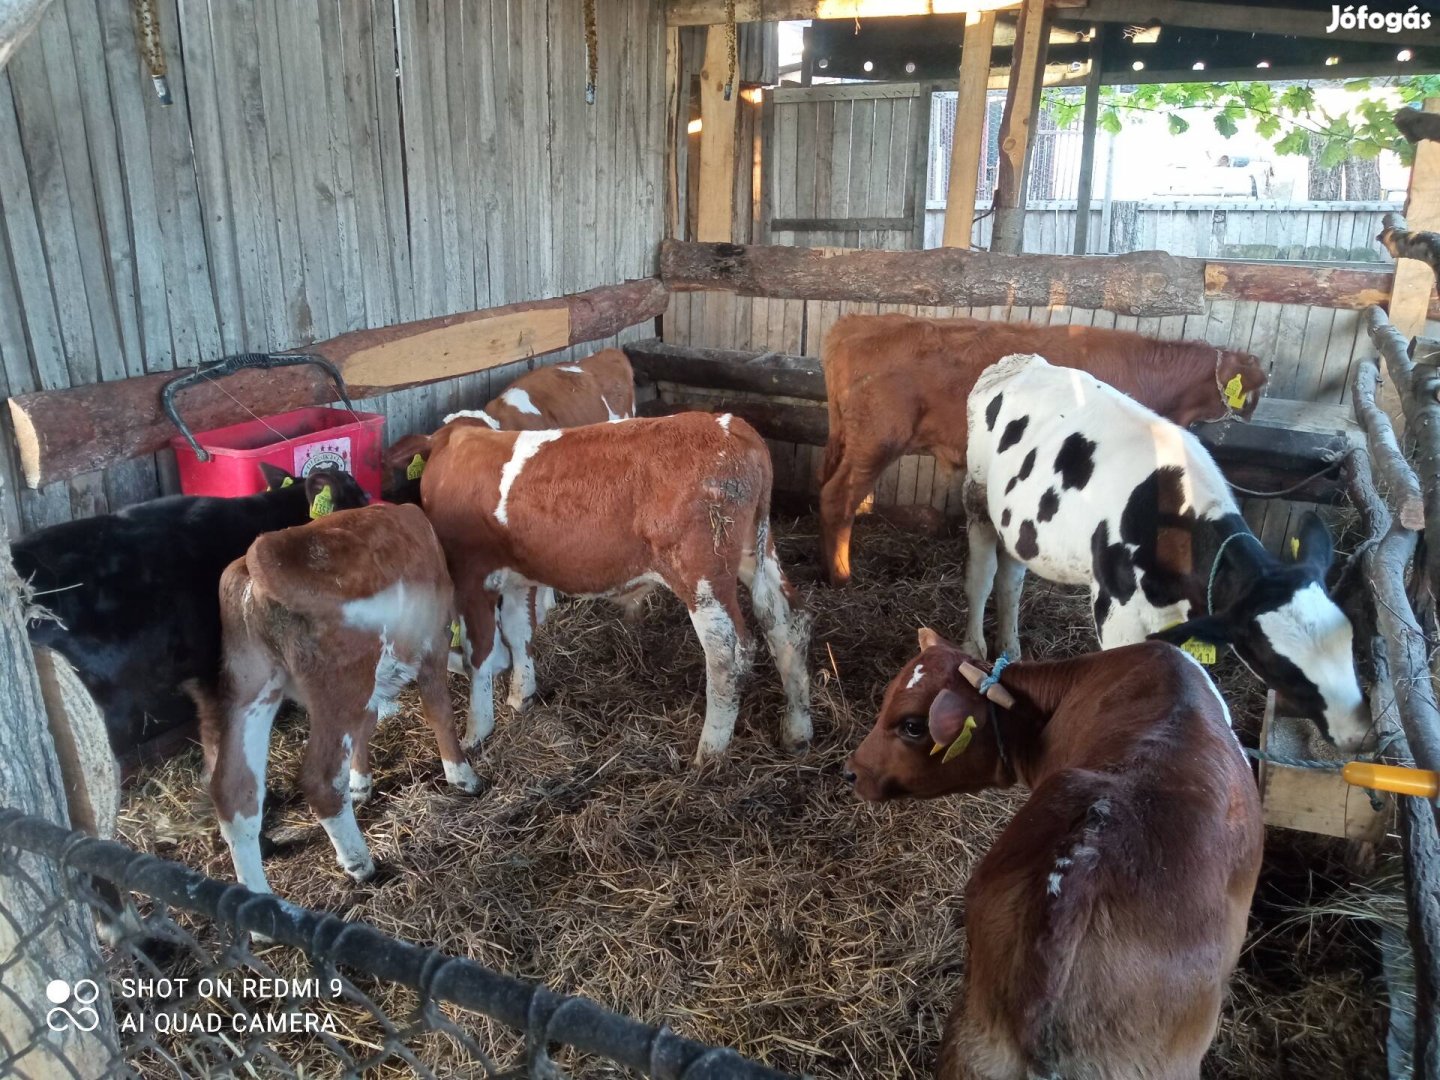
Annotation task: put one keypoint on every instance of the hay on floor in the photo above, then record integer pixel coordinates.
(757, 905)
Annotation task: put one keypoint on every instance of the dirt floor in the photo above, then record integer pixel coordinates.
(758, 905)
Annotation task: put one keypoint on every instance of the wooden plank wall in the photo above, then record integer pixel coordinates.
(1215, 229)
(300, 186)
(1312, 349)
(847, 151)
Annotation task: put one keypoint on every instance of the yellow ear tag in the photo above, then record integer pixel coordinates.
(961, 741)
(322, 504)
(289, 481)
(455, 634)
(1294, 547)
(1235, 393)
(415, 468)
(1200, 650)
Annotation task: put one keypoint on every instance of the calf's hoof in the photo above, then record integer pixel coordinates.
(360, 871)
(710, 756)
(797, 747)
(521, 704)
(460, 776)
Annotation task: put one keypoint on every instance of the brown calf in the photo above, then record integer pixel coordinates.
(616, 509)
(589, 391)
(1105, 920)
(340, 615)
(898, 385)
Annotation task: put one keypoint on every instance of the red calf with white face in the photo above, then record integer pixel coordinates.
(1104, 921)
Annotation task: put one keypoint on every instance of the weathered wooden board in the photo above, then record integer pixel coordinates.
(1142, 283)
(703, 12)
(64, 432)
(1321, 286)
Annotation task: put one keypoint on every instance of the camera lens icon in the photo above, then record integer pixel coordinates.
(83, 994)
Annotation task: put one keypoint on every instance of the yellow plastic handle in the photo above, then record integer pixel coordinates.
(1420, 782)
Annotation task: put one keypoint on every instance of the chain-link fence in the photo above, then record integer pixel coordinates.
(209, 979)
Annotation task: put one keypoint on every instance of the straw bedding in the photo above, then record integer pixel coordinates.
(759, 904)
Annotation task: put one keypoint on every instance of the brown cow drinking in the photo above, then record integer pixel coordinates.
(615, 510)
(340, 615)
(898, 385)
(1104, 922)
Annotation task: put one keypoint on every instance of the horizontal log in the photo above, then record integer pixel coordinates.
(1145, 283)
(1315, 286)
(62, 433)
(804, 424)
(729, 369)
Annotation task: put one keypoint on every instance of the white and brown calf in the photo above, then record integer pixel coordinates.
(340, 615)
(595, 390)
(614, 510)
(1072, 479)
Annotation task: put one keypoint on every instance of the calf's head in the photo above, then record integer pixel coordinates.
(333, 487)
(1291, 634)
(1252, 375)
(935, 734)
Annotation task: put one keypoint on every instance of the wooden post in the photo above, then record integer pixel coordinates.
(718, 120)
(1022, 101)
(31, 781)
(968, 139)
(1087, 142)
(673, 121)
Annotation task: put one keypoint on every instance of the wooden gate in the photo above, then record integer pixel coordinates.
(844, 165)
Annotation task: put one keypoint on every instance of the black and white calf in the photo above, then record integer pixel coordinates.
(1070, 478)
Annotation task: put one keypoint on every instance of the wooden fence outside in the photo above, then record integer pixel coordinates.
(1198, 228)
(302, 186)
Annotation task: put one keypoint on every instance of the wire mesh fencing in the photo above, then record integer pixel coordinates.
(204, 978)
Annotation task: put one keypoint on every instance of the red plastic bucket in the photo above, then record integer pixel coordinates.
(298, 442)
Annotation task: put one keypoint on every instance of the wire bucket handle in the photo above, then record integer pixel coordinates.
(229, 366)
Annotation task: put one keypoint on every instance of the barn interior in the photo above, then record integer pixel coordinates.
(437, 207)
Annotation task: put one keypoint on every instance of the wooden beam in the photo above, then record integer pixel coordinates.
(729, 369)
(18, 19)
(1243, 18)
(969, 131)
(62, 433)
(1144, 283)
(718, 121)
(1088, 127)
(1318, 286)
(782, 421)
(712, 12)
(1022, 100)
(1415, 281)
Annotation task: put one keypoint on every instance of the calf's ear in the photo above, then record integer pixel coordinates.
(1209, 628)
(928, 638)
(1316, 549)
(947, 717)
(275, 476)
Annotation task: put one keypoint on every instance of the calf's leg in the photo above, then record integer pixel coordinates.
(786, 624)
(851, 478)
(1009, 577)
(336, 728)
(239, 746)
(482, 641)
(715, 614)
(517, 627)
(435, 701)
(981, 563)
